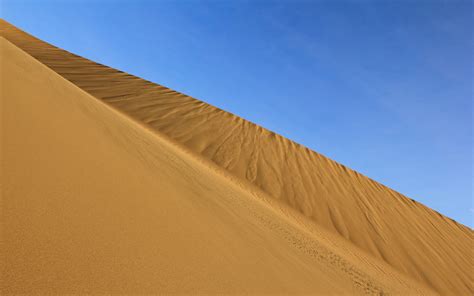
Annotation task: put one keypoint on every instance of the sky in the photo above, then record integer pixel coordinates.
(383, 87)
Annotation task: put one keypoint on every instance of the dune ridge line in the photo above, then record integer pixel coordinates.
(410, 237)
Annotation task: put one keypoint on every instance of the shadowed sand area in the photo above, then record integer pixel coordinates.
(114, 184)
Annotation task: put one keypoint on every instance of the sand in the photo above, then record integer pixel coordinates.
(113, 184)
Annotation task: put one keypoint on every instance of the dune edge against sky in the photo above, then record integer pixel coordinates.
(372, 240)
(80, 223)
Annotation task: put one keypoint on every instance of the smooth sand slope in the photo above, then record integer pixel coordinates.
(385, 238)
(95, 203)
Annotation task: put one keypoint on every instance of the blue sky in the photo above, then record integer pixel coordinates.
(384, 87)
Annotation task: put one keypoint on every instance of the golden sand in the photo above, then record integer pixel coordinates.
(113, 184)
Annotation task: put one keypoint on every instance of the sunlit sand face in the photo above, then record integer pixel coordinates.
(112, 184)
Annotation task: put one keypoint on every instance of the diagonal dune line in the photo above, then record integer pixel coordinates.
(78, 220)
(410, 237)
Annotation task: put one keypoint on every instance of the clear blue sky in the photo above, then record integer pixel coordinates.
(384, 87)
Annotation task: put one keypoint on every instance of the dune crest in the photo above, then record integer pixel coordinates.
(384, 238)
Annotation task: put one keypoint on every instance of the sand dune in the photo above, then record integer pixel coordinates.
(157, 191)
(104, 205)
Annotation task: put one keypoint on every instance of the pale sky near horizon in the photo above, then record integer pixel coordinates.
(383, 87)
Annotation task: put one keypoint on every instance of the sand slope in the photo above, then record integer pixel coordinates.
(394, 230)
(95, 203)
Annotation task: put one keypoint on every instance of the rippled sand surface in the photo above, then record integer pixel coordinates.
(114, 184)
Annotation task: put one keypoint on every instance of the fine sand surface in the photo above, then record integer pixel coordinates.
(155, 191)
(93, 202)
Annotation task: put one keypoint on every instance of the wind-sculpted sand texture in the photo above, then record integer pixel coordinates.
(96, 203)
(392, 230)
